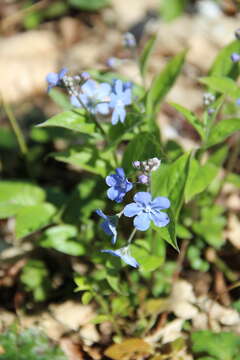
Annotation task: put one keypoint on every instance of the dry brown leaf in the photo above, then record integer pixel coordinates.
(168, 333)
(129, 349)
(2, 351)
(71, 349)
(233, 231)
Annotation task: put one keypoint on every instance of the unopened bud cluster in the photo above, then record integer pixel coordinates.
(73, 83)
(208, 99)
(146, 167)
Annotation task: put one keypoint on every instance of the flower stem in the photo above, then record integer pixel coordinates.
(132, 235)
(16, 129)
(91, 116)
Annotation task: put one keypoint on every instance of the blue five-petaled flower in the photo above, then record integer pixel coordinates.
(119, 185)
(120, 97)
(94, 97)
(125, 255)
(146, 210)
(109, 225)
(54, 79)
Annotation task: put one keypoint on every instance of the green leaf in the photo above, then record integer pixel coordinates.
(171, 9)
(33, 218)
(163, 82)
(120, 306)
(199, 178)
(170, 180)
(30, 344)
(63, 238)
(146, 261)
(17, 194)
(72, 120)
(233, 179)
(191, 118)
(60, 99)
(222, 85)
(123, 131)
(223, 65)
(82, 284)
(86, 298)
(168, 233)
(92, 5)
(222, 130)
(223, 345)
(144, 57)
(35, 277)
(87, 158)
(219, 156)
(143, 146)
(100, 319)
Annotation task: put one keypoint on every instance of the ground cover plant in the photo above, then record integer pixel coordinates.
(111, 218)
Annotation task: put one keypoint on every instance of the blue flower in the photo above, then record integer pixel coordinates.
(124, 254)
(238, 102)
(146, 210)
(54, 79)
(109, 225)
(120, 98)
(95, 97)
(119, 185)
(235, 57)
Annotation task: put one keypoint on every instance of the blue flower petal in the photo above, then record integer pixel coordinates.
(75, 102)
(113, 194)
(127, 97)
(159, 218)
(52, 79)
(118, 87)
(142, 221)
(124, 254)
(132, 210)
(99, 212)
(104, 89)
(102, 108)
(89, 87)
(121, 113)
(143, 198)
(160, 203)
(111, 180)
(115, 116)
(120, 172)
(62, 73)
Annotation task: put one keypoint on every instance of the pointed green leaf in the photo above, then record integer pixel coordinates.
(72, 120)
(163, 82)
(222, 85)
(144, 57)
(199, 178)
(191, 118)
(223, 65)
(222, 130)
(170, 180)
(87, 297)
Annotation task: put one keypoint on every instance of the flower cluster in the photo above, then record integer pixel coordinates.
(97, 99)
(144, 209)
(146, 167)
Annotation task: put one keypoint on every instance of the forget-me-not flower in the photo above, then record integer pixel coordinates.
(109, 225)
(95, 97)
(120, 98)
(54, 79)
(124, 254)
(119, 185)
(146, 210)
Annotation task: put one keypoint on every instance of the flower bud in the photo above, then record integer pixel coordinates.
(143, 179)
(136, 164)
